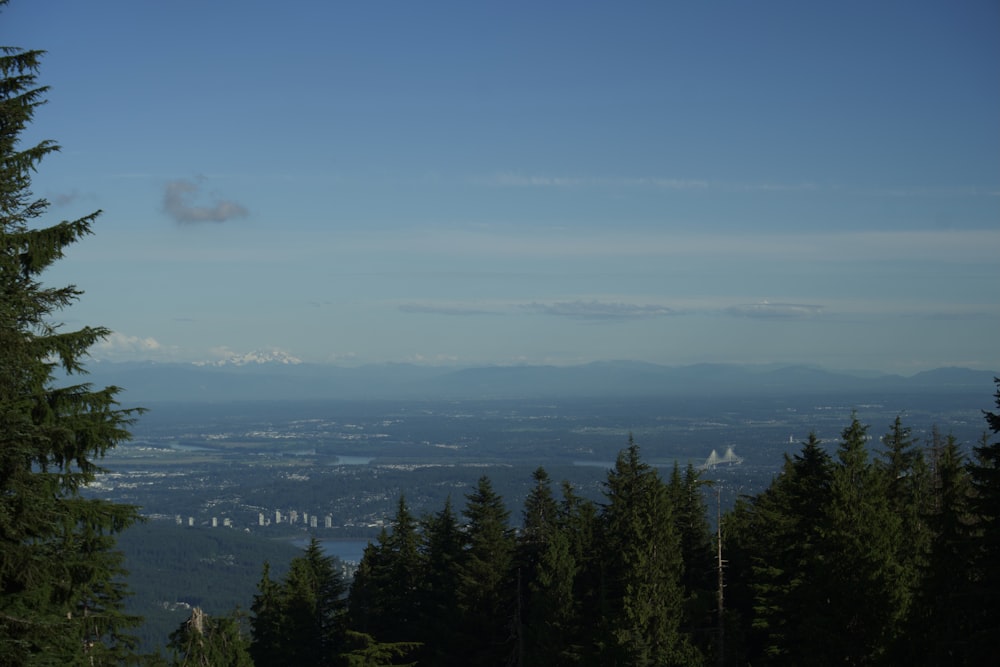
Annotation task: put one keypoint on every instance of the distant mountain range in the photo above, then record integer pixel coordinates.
(284, 379)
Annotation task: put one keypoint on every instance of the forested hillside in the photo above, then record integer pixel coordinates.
(872, 550)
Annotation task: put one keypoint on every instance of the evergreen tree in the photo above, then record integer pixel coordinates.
(642, 594)
(61, 589)
(864, 581)
(553, 612)
(699, 575)
(300, 620)
(940, 621)
(443, 551)
(404, 571)
(364, 611)
(486, 592)
(907, 481)
(547, 608)
(203, 641)
(985, 507)
(780, 554)
(363, 651)
(579, 523)
(737, 538)
(266, 618)
(385, 594)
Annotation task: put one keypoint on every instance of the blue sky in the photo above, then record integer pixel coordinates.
(498, 183)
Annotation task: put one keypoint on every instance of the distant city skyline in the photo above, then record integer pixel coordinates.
(557, 183)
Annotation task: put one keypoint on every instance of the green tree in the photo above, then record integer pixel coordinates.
(61, 590)
(363, 651)
(443, 550)
(908, 489)
(580, 523)
(939, 623)
(642, 594)
(984, 475)
(699, 576)
(364, 610)
(203, 641)
(486, 592)
(385, 594)
(546, 568)
(300, 620)
(265, 621)
(864, 581)
(776, 561)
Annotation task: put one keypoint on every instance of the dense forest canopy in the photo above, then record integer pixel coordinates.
(878, 550)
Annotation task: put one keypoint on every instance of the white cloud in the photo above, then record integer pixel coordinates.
(123, 347)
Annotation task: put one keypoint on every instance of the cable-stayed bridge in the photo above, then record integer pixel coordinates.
(714, 459)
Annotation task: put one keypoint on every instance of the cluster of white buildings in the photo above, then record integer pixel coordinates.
(227, 522)
(293, 518)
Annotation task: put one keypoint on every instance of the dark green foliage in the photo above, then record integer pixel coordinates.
(642, 595)
(940, 620)
(699, 577)
(908, 494)
(365, 610)
(984, 505)
(772, 542)
(864, 578)
(363, 651)
(546, 568)
(840, 561)
(204, 641)
(60, 576)
(579, 520)
(172, 568)
(486, 590)
(385, 594)
(300, 620)
(442, 547)
(861, 562)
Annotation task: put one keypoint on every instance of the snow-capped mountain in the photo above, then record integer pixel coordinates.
(272, 356)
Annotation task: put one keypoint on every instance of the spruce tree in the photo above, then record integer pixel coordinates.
(642, 594)
(546, 572)
(442, 548)
(699, 576)
(61, 594)
(204, 641)
(579, 522)
(779, 551)
(385, 595)
(945, 602)
(486, 590)
(907, 485)
(364, 601)
(985, 506)
(301, 619)
(864, 581)
(268, 635)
